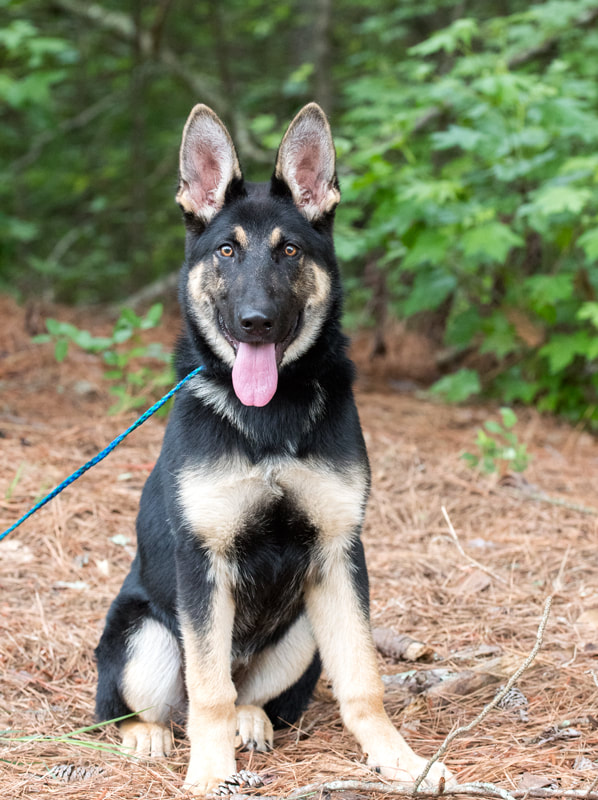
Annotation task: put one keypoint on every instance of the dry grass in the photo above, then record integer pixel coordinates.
(61, 569)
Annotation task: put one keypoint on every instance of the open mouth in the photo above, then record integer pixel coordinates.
(280, 347)
(255, 371)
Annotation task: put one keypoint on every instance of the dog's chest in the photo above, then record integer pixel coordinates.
(223, 501)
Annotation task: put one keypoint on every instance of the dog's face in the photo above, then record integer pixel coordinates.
(260, 259)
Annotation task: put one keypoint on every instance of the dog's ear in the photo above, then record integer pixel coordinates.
(306, 164)
(208, 164)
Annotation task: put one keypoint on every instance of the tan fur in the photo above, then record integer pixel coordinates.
(275, 238)
(345, 642)
(146, 739)
(254, 729)
(218, 498)
(212, 718)
(204, 311)
(241, 236)
(316, 287)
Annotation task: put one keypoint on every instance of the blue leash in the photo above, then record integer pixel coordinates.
(101, 455)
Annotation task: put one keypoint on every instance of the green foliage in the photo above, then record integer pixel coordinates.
(467, 160)
(133, 381)
(473, 170)
(499, 449)
(458, 387)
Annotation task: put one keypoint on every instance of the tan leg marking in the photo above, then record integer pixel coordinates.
(349, 656)
(146, 739)
(254, 729)
(212, 717)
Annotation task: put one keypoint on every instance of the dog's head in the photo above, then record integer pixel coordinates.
(260, 272)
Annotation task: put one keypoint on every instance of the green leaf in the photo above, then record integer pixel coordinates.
(546, 290)
(430, 289)
(509, 418)
(463, 327)
(588, 242)
(562, 349)
(54, 327)
(430, 247)
(552, 200)
(493, 427)
(589, 311)
(456, 136)
(61, 349)
(458, 387)
(500, 337)
(448, 40)
(153, 316)
(491, 241)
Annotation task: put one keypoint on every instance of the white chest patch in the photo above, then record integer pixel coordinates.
(219, 499)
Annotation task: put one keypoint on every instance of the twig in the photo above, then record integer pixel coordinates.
(541, 497)
(591, 787)
(464, 554)
(473, 789)
(493, 703)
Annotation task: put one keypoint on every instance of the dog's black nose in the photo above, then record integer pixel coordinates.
(255, 322)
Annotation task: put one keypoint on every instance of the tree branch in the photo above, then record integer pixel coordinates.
(493, 703)
(124, 27)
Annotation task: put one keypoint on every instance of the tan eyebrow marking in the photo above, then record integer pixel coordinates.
(241, 236)
(275, 237)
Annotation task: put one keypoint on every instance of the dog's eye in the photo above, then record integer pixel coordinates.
(290, 250)
(226, 250)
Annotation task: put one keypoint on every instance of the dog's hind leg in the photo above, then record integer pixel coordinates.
(152, 685)
(140, 670)
(277, 685)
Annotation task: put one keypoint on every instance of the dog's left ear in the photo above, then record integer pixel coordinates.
(306, 163)
(208, 164)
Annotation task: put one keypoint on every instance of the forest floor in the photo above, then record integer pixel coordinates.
(531, 537)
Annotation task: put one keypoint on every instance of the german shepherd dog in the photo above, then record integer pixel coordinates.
(250, 572)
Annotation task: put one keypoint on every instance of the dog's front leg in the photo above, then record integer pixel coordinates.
(337, 606)
(207, 614)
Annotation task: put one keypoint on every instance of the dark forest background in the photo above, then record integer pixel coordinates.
(467, 140)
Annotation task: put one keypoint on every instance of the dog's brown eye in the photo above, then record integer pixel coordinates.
(226, 250)
(290, 250)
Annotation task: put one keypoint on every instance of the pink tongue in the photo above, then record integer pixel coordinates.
(255, 376)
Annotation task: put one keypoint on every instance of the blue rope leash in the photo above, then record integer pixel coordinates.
(101, 455)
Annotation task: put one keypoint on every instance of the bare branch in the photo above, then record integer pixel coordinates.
(493, 703)
(473, 789)
(124, 27)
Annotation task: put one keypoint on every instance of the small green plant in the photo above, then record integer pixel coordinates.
(499, 448)
(133, 381)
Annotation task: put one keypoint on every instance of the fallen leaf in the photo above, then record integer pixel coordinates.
(474, 582)
(530, 781)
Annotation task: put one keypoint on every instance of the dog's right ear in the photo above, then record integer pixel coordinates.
(208, 165)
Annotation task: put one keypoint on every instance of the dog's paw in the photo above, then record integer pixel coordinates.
(408, 767)
(146, 739)
(207, 772)
(254, 729)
